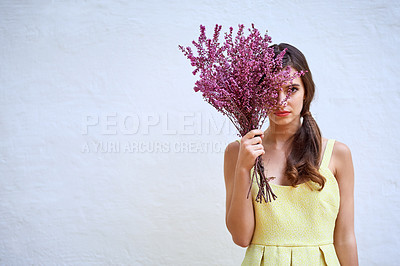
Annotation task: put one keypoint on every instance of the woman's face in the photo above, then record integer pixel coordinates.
(291, 112)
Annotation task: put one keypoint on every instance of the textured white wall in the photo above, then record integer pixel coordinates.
(96, 108)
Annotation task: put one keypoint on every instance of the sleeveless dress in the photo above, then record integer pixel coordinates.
(297, 227)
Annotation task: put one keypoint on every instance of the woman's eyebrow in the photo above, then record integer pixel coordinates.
(292, 85)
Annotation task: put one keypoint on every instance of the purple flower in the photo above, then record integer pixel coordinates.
(240, 77)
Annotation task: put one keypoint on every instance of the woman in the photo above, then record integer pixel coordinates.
(312, 220)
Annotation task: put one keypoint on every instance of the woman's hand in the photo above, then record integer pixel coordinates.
(250, 148)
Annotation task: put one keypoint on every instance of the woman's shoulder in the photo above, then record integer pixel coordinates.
(230, 160)
(341, 156)
(340, 151)
(339, 148)
(232, 149)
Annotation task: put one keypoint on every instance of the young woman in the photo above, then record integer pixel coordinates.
(311, 222)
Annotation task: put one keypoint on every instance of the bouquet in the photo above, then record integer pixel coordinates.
(241, 78)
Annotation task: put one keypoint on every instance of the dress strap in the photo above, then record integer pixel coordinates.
(328, 153)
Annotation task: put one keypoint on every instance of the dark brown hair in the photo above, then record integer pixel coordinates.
(304, 156)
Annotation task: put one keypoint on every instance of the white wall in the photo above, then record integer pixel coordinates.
(71, 74)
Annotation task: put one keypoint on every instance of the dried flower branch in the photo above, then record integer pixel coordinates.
(241, 78)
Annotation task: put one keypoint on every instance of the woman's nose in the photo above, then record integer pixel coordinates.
(281, 96)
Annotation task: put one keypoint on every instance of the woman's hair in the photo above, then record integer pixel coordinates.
(304, 156)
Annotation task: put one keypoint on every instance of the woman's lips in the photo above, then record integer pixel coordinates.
(284, 113)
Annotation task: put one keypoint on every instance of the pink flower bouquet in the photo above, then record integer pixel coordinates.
(241, 78)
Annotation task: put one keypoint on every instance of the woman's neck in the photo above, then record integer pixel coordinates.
(277, 136)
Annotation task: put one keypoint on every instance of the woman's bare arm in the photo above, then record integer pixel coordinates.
(238, 160)
(344, 236)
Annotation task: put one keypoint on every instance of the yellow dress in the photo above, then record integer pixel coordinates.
(297, 228)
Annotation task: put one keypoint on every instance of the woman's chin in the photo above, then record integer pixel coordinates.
(285, 121)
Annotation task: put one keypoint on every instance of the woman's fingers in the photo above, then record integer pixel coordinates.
(258, 147)
(255, 140)
(253, 137)
(250, 148)
(254, 132)
(259, 152)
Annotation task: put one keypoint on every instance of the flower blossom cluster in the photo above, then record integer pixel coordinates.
(241, 77)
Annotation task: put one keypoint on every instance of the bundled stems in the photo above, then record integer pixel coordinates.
(264, 189)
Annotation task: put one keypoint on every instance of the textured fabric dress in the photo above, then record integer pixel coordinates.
(297, 228)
